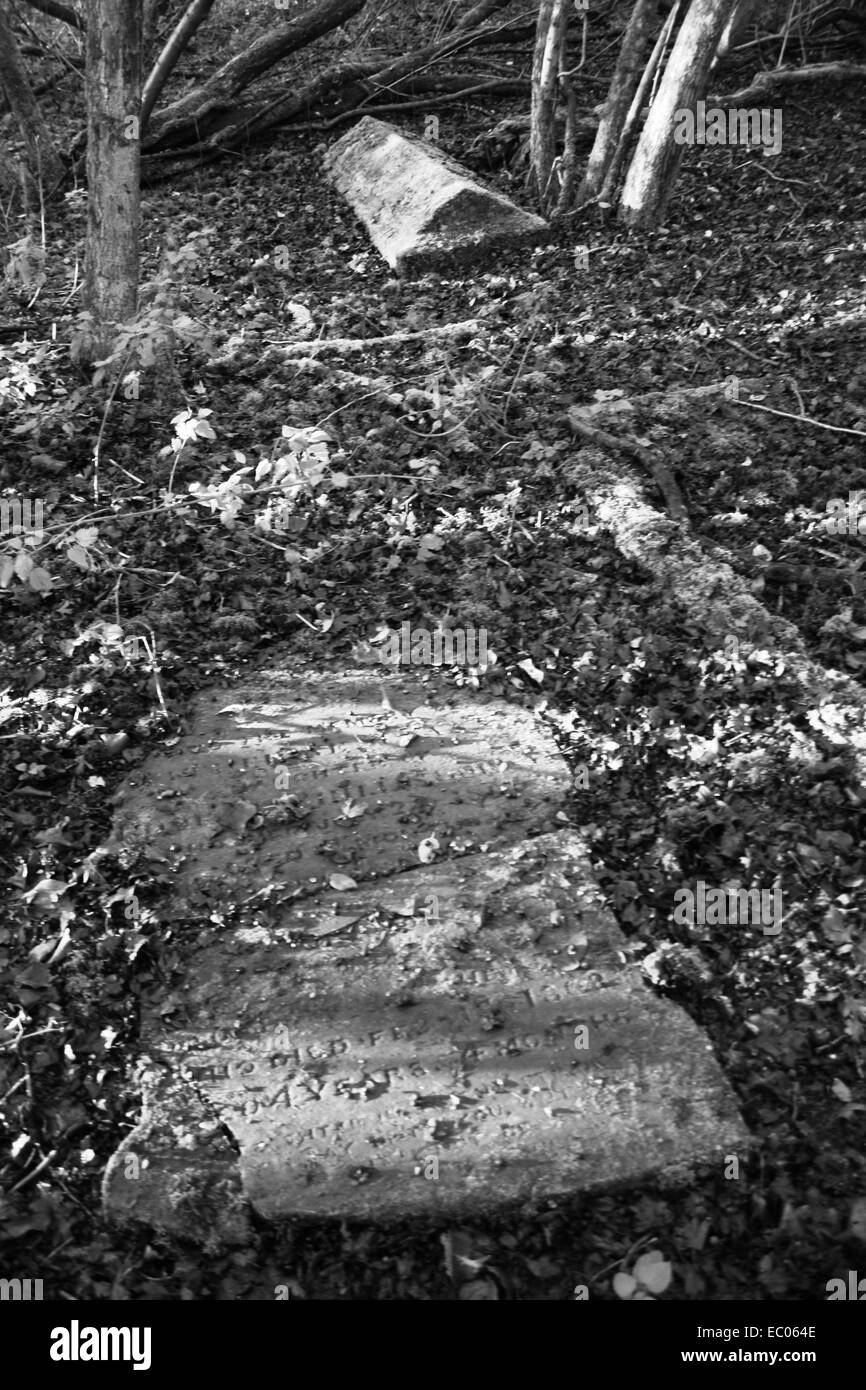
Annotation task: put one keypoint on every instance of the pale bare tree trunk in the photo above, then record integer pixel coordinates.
(653, 169)
(546, 64)
(648, 81)
(622, 88)
(43, 161)
(192, 18)
(113, 159)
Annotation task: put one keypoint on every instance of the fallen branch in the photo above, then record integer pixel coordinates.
(716, 596)
(193, 17)
(212, 117)
(449, 90)
(445, 330)
(660, 473)
(652, 400)
(58, 11)
(217, 95)
(764, 82)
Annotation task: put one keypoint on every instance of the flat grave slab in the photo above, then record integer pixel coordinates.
(296, 774)
(438, 1043)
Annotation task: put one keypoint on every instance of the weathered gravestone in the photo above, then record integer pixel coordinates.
(382, 1037)
(422, 209)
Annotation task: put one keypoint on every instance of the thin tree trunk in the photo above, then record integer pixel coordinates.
(113, 146)
(653, 169)
(193, 17)
(648, 80)
(622, 88)
(546, 65)
(43, 162)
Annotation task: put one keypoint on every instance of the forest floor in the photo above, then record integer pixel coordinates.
(443, 494)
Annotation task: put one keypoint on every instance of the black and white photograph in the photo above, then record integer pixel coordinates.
(432, 679)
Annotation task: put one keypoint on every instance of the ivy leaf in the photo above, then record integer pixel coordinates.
(428, 547)
(45, 893)
(531, 670)
(80, 557)
(623, 1285)
(653, 1272)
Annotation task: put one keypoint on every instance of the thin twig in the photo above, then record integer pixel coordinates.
(734, 343)
(793, 385)
(804, 419)
(22, 1081)
(40, 1168)
(102, 425)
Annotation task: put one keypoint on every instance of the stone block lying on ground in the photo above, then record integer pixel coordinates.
(297, 774)
(423, 211)
(436, 1044)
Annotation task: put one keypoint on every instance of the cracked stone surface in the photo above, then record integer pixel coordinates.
(404, 1038)
(421, 208)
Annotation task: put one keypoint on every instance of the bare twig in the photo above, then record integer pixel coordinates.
(40, 1168)
(804, 419)
(658, 470)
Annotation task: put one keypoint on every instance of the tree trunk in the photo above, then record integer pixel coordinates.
(193, 17)
(622, 88)
(43, 162)
(113, 156)
(653, 169)
(649, 78)
(546, 65)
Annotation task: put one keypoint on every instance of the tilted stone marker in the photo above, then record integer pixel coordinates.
(441, 1037)
(422, 209)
